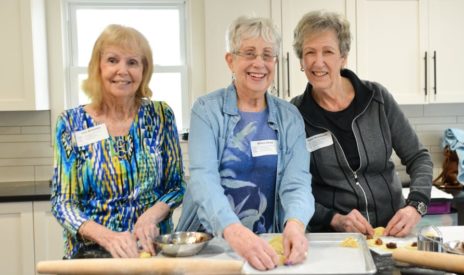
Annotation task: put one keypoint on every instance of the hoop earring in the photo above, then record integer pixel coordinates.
(302, 69)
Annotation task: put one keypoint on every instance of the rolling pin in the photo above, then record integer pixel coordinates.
(141, 266)
(434, 260)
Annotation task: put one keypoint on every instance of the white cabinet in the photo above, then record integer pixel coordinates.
(23, 74)
(397, 42)
(285, 14)
(218, 16)
(446, 41)
(412, 47)
(293, 79)
(17, 238)
(48, 234)
(29, 234)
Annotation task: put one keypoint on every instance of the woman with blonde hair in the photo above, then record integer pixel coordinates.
(118, 169)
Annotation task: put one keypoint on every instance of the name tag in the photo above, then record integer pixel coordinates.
(319, 141)
(264, 147)
(91, 135)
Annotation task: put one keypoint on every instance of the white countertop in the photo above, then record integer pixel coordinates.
(451, 233)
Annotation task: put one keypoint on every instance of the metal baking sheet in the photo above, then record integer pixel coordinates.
(327, 256)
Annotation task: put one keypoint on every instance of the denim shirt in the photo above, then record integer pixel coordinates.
(213, 120)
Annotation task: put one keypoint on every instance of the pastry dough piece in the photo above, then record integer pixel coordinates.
(277, 244)
(350, 242)
(378, 231)
(145, 254)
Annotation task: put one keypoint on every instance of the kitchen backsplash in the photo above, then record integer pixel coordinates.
(26, 149)
(25, 146)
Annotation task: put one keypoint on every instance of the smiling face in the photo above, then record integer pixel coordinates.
(252, 76)
(121, 72)
(322, 60)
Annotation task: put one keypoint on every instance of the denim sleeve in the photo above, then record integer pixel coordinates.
(214, 210)
(295, 190)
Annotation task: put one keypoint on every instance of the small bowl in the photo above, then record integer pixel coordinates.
(182, 244)
(455, 247)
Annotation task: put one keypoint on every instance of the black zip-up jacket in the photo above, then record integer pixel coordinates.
(379, 127)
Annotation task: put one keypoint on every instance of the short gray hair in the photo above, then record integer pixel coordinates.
(316, 21)
(246, 27)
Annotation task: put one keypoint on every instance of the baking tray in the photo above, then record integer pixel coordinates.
(327, 256)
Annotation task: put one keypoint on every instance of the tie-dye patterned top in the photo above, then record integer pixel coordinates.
(115, 180)
(248, 178)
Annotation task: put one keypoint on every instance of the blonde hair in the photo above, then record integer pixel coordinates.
(316, 21)
(126, 38)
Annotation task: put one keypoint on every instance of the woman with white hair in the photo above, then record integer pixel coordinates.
(248, 161)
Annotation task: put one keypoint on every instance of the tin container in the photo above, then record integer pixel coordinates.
(430, 239)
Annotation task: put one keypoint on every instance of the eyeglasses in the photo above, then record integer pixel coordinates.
(267, 57)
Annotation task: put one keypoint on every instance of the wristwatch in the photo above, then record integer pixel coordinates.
(420, 206)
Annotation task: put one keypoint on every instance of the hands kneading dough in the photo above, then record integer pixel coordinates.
(277, 244)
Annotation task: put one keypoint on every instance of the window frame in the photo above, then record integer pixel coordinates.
(71, 61)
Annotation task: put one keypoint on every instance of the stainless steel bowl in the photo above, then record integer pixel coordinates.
(181, 244)
(455, 247)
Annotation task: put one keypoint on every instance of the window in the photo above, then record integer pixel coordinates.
(161, 22)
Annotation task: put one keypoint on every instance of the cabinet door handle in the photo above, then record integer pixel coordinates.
(425, 63)
(435, 72)
(288, 74)
(278, 77)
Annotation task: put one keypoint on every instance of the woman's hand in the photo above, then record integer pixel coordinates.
(119, 244)
(252, 248)
(402, 222)
(295, 242)
(146, 228)
(352, 222)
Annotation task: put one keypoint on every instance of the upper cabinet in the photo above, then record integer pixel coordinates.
(446, 44)
(293, 79)
(289, 80)
(24, 73)
(412, 47)
(218, 16)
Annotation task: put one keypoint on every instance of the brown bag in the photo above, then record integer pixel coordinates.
(449, 173)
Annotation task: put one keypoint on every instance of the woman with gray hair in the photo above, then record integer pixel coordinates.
(248, 163)
(352, 127)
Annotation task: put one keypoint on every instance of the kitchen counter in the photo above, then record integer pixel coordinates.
(25, 191)
(217, 256)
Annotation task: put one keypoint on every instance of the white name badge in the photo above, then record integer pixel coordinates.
(264, 147)
(91, 135)
(319, 141)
